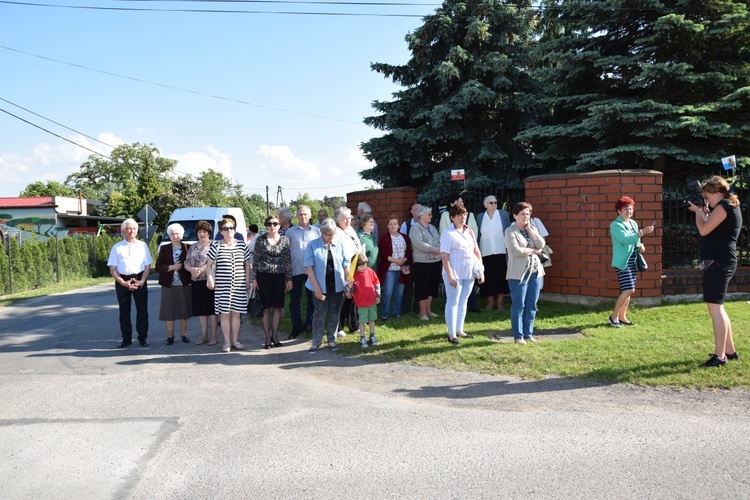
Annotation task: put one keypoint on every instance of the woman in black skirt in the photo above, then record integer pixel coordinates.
(272, 276)
(203, 298)
(719, 223)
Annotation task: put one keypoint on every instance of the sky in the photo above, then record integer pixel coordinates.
(268, 99)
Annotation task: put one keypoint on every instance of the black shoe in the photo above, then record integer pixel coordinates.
(170, 340)
(734, 356)
(124, 344)
(714, 361)
(453, 340)
(295, 333)
(186, 339)
(144, 343)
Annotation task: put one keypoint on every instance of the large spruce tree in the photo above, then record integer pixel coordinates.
(660, 84)
(465, 98)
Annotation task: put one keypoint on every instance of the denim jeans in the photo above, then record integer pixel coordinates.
(523, 309)
(391, 289)
(331, 306)
(455, 304)
(295, 302)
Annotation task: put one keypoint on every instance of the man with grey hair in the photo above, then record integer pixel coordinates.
(129, 264)
(285, 221)
(363, 208)
(299, 237)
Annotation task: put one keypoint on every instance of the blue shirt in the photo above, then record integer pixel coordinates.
(298, 240)
(316, 256)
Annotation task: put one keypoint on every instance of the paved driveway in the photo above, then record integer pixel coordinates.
(80, 419)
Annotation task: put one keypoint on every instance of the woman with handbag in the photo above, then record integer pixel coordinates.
(462, 264)
(203, 298)
(626, 244)
(525, 272)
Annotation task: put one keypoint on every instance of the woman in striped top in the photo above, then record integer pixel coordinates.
(231, 282)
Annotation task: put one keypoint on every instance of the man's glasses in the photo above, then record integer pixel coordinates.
(492, 203)
(227, 228)
(269, 224)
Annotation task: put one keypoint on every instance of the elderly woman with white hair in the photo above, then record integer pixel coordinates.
(363, 208)
(349, 239)
(426, 266)
(492, 225)
(176, 299)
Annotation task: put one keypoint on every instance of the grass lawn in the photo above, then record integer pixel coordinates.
(664, 349)
(6, 300)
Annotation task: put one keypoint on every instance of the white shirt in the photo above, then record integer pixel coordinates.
(459, 245)
(130, 258)
(492, 241)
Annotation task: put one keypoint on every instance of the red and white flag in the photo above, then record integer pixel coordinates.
(458, 175)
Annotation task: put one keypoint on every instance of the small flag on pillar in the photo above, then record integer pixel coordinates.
(458, 175)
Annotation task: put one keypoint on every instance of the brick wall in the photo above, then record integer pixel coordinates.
(577, 210)
(384, 203)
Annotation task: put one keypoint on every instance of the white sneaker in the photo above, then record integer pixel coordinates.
(341, 333)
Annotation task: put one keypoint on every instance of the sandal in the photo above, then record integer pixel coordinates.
(238, 346)
(201, 341)
(213, 342)
(226, 348)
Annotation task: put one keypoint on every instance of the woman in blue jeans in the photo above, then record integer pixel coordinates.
(327, 267)
(394, 250)
(525, 271)
(462, 264)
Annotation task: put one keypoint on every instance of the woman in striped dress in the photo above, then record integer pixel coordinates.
(231, 281)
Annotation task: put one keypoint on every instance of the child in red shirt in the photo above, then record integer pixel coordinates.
(366, 293)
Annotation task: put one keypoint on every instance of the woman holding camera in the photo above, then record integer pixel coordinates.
(719, 223)
(626, 243)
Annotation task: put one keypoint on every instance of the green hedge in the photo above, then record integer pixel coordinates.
(38, 263)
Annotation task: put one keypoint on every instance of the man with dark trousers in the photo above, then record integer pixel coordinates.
(299, 237)
(129, 264)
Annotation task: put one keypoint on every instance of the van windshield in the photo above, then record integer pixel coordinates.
(189, 226)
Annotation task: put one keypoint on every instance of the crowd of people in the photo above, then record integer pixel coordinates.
(353, 277)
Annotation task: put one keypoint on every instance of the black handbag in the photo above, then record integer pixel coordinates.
(640, 262)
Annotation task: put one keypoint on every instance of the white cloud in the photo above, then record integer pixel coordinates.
(196, 162)
(281, 162)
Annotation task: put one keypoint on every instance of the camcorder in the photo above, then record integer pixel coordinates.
(695, 194)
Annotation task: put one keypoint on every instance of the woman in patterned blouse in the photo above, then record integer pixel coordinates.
(272, 276)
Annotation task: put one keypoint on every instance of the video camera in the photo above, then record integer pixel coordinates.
(696, 197)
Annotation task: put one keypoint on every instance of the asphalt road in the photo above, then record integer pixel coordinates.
(80, 419)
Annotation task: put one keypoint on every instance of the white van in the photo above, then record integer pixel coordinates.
(189, 217)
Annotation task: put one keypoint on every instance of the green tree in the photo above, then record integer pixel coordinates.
(662, 84)
(49, 188)
(136, 172)
(467, 93)
(216, 189)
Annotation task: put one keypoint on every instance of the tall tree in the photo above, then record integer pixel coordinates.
(657, 84)
(132, 175)
(49, 188)
(466, 96)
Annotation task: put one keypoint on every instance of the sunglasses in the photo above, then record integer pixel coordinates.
(269, 224)
(227, 228)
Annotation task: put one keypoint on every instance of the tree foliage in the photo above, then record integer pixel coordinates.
(644, 84)
(49, 188)
(467, 94)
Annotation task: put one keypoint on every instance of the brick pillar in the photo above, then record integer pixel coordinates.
(385, 202)
(577, 209)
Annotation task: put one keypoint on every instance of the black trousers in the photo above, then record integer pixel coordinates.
(140, 297)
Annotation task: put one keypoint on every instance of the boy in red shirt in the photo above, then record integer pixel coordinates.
(366, 293)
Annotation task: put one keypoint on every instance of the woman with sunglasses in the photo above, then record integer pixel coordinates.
(272, 276)
(230, 281)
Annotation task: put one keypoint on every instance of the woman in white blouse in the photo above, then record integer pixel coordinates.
(462, 264)
(492, 225)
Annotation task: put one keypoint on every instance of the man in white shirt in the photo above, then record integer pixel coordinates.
(129, 264)
(299, 237)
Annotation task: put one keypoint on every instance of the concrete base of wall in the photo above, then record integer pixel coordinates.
(596, 301)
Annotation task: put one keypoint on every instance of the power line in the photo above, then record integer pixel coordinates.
(219, 11)
(57, 123)
(172, 87)
(52, 133)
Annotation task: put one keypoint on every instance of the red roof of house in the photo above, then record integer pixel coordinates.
(27, 202)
